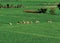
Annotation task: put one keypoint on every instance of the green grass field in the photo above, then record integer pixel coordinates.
(42, 32)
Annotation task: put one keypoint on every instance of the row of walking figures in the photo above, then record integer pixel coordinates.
(30, 22)
(11, 6)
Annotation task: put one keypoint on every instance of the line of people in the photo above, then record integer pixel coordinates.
(11, 6)
(30, 22)
(25, 22)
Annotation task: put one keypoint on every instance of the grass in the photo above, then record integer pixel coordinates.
(43, 32)
(38, 33)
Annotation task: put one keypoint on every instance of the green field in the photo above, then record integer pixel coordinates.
(42, 32)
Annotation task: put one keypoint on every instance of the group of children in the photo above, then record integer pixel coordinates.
(30, 22)
(25, 22)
